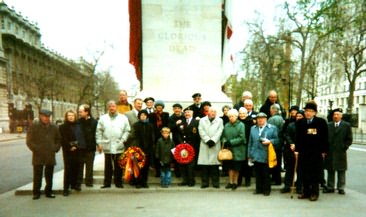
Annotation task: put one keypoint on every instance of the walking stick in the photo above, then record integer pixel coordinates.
(295, 173)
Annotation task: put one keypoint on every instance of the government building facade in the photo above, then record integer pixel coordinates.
(32, 76)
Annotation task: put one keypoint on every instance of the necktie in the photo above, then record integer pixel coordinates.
(336, 125)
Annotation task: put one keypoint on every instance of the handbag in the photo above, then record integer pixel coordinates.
(272, 159)
(224, 154)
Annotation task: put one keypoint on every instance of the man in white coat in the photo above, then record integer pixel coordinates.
(112, 131)
(210, 129)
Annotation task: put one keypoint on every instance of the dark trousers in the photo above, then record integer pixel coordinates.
(71, 168)
(263, 179)
(144, 173)
(112, 168)
(208, 171)
(276, 171)
(87, 159)
(246, 172)
(311, 173)
(37, 178)
(187, 171)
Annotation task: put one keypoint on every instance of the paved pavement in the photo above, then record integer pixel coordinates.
(173, 201)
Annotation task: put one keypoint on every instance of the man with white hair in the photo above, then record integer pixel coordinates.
(246, 95)
(210, 129)
(271, 99)
(112, 131)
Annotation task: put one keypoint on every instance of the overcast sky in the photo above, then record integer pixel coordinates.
(77, 28)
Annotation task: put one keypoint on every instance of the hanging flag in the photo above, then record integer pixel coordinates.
(134, 10)
(227, 55)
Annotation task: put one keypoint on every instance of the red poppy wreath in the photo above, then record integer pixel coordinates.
(132, 160)
(184, 153)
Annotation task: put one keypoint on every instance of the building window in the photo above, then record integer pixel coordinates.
(3, 20)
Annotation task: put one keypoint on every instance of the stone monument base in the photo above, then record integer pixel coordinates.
(216, 97)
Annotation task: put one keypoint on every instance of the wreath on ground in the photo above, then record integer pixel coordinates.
(184, 153)
(132, 160)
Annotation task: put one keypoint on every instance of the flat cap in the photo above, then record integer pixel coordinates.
(196, 95)
(188, 109)
(337, 110)
(177, 105)
(261, 115)
(45, 112)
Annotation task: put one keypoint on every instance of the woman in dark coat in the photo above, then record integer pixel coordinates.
(144, 138)
(69, 152)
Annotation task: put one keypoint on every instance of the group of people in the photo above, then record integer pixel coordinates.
(303, 138)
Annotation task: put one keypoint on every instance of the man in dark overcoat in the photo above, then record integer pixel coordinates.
(189, 134)
(312, 146)
(197, 105)
(340, 138)
(44, 140)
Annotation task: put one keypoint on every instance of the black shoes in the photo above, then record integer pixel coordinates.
(303, 196)
(266, 193)
(76, 188)
(313, 197)
(106, 186)
(119, 186)
(327, 190)
(234, 187)
(228, 186)
(36, 196)
(66, 193)
(204, 186)
(341, 192)
(50, 195)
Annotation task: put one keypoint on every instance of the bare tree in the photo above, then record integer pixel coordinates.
(350, 44)
(308, 33)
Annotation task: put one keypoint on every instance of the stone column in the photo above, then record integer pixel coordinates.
(181, 45)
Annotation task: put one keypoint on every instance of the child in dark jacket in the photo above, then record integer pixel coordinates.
(163, 152)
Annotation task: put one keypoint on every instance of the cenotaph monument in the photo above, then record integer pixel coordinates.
(181, 51)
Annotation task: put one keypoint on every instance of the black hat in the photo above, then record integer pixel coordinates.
(142, 112)
(196, 95)
(205, 103)
(337, 110)
(301, 112)
(45, 112)
(311, 105)
(177, 105)
(188, 109)
(149, 98)
(294, 107)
